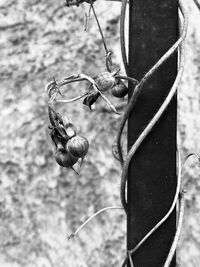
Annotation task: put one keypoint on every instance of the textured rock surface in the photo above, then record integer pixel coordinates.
(39, 201)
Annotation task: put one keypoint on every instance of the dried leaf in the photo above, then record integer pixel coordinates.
(91, 98)
(56, 137)
(53, 115)
(57, 124)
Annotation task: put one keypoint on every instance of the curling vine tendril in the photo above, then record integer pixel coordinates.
(70, 146)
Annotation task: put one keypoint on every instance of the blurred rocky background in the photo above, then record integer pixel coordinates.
(39, 201)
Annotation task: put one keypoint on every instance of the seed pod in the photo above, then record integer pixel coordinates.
(69, 127)
(64, 159)
(70, 130)
(119, 90)
(105, 81)
(78, 146)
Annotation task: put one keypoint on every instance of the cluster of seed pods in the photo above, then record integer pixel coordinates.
(69, 146)
(102, 83)
(107, 81)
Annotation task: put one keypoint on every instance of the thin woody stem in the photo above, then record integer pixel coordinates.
(122, 37)
(145, 132)
(108, 53)
(71, 80)
(89, 219)
(139, 87)
(92, 81)
(130, 259)
(171, 209)
(78, 78)
(74, 3)
(100, 30)
(109, 103)
(193, 154)
(70, 100)
(143, 135)
(74, 170)
(178, 230)
(53, 97)
(197, 4)
(130, 79)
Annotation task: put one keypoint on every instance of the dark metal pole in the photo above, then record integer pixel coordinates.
(152, 172)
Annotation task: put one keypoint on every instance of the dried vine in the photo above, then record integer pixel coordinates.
(138, 142)
(63, 132)
(156, 117)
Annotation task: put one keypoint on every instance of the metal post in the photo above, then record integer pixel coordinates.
(153, 29)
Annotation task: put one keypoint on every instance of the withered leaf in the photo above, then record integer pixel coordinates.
(57, 123)
(54, 117)
(91, 98)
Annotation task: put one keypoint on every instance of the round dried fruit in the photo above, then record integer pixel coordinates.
(119, 90)
(64, 159)
(105, 81)
(78, 146)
